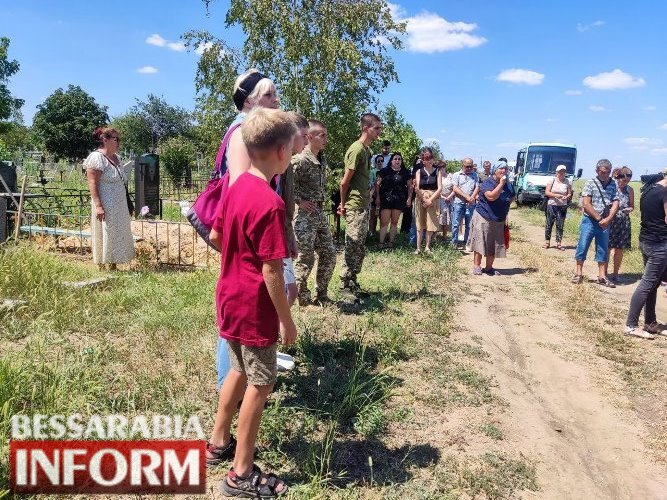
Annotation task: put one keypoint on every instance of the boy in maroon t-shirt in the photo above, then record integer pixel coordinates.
(250, 297)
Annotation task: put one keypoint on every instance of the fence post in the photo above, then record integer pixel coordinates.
(3, 220)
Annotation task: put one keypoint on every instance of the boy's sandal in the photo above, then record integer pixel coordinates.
(254, 485)
(477, 271)
(220, 453)
(560, 247)
(491, 271)
(546, 245)
(577, 279)
(638, 332)
(605, 282)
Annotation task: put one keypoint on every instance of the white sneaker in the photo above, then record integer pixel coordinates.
(638, 332)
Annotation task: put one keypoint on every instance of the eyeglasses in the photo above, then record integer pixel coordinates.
(624, 176)
(468, 166)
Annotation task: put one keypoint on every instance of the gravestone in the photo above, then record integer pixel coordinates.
(147, 184)
(8, 173)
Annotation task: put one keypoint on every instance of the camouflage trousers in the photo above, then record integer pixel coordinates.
(356, 228)
(313, 237)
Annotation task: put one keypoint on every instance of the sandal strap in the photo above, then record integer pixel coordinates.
(252, 483)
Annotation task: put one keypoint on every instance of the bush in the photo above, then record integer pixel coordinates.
(176, 156)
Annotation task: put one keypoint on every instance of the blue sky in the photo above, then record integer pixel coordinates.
(481, 77)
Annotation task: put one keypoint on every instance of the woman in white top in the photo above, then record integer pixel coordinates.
(559, 193)
(110, 222)
(446, 198)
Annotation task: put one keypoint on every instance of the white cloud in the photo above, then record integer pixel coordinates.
(642, 143)
(613, 80)
(663, 127)
(431, 140)
(176, 46)
(586, 27)
(428, 32)
(443, 131)
(596, 109)
(649, 108)
(156, 40)
(573, 92)
(659, 151)
(147, 70)
(461, 143)
(520, 76)
(203, 47)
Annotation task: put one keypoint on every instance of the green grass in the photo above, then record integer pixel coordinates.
(334, 427)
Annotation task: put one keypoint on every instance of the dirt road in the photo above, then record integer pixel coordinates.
(568, 408)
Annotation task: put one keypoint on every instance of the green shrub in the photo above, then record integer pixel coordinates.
(176, 155)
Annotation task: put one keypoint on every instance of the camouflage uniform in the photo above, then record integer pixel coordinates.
(356, 228)
(357, 158)
(312, 230)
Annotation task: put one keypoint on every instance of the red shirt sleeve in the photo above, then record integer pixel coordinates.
(267, 235)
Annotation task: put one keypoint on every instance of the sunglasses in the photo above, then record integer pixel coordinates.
(624, 176)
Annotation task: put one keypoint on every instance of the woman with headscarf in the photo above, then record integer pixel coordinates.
(487, 238)
(620, 229)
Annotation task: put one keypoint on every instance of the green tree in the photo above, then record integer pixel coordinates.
(401, 134)
(66, 120)
(176, 156)
(328, 57)
(164, 120)
(135, 132)
(9, 105)
(217, 69)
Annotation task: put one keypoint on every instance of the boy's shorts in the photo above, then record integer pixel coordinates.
(257, 363)
(288, 272)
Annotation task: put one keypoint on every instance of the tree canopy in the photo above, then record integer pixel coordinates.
(163, 120)
(401, 134)
(328, 58)
(65, 122)
(9, 105)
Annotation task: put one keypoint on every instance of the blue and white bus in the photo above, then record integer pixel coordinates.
(536, 167)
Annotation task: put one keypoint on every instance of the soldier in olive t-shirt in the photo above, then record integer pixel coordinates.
(357, 158)
(355, 197)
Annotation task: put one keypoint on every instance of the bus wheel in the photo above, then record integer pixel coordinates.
(519, 199)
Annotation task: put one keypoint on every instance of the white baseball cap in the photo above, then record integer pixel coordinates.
(560, 167)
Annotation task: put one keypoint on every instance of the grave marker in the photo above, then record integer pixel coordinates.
(147, 184)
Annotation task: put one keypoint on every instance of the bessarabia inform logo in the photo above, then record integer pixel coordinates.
(108, 454)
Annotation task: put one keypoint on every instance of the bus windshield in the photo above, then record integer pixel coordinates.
(545, 159)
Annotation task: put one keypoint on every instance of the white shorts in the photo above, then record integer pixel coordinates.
(288, 272)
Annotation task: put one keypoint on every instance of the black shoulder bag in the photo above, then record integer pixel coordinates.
(607, 207)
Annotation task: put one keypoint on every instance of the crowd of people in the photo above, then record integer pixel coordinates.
(273, 231)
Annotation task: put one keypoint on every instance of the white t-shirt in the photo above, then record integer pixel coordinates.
(558, 188)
